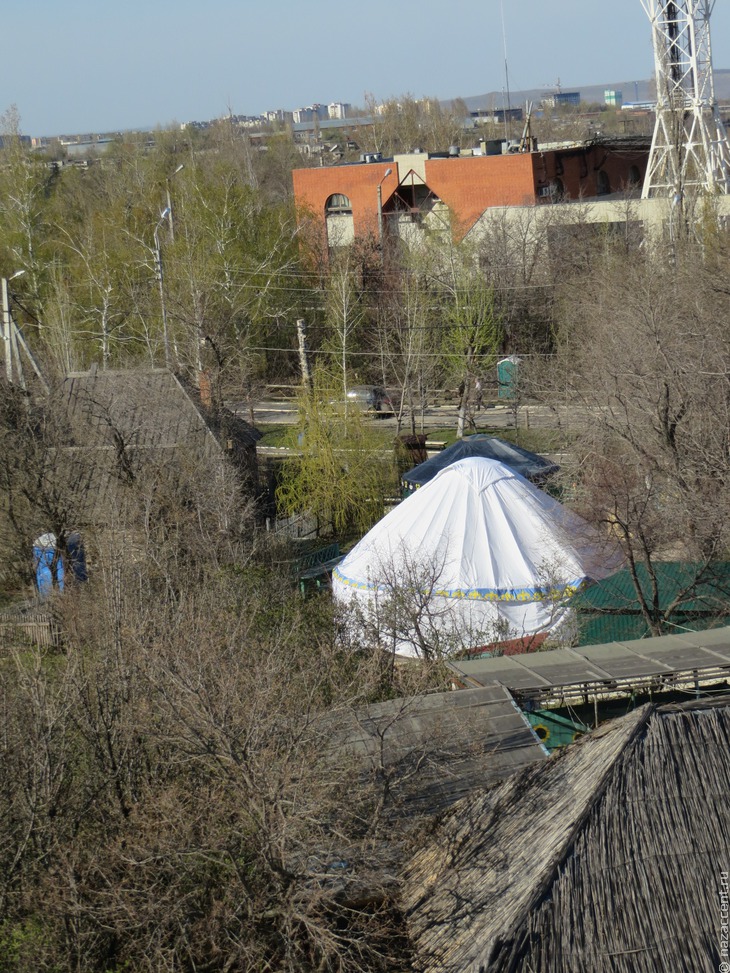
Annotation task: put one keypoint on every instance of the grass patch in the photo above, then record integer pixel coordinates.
(539, 440)
(274, 434)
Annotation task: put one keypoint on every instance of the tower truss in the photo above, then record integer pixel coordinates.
(689, 150)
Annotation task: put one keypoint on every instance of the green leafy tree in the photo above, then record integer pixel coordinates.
(344, 472)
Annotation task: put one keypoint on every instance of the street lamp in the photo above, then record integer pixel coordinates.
(169, 200)
(14, 341)
(8, 333)
(380, 206)
(158, 266)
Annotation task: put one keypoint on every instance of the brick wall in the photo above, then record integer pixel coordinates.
(471, 184)
(578, 169)
(313, 187)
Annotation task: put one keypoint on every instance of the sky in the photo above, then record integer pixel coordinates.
(107, 65)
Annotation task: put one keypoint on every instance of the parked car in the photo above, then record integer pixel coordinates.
(370, 398)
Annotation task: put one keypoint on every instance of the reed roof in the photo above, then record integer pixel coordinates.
(609, 857)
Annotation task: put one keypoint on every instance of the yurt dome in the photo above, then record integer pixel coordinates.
(478, 554)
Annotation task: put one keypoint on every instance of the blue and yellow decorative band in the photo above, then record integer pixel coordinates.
(526, 594)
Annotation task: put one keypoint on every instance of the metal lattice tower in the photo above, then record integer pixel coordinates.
(689, 149)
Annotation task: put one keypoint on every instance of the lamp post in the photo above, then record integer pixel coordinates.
(8, 333)
(169, 200)
(158, 266)
(380, 206)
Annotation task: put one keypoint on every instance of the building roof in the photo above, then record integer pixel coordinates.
(694, 595)
(115, 421)
(437, 748)
(146, 409)
(663, 662)
(609, 857)
(695, 587)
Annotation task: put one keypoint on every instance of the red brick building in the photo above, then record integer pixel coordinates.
(345, 199)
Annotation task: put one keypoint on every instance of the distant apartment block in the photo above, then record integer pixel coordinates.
(497, 116)
(245, 121)
(339, 109)
(310, 114)
(614, 99)
(278, 116)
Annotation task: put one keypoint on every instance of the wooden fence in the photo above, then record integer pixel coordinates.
(18, 631)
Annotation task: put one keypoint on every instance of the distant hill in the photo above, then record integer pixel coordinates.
(634, 90)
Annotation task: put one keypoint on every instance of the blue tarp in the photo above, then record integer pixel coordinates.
(49, 574)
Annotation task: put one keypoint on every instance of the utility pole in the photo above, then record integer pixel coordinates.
(160, 280)
(170, 222)
(13, 341)
(387, 172)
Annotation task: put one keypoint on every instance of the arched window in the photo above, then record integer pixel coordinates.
(338, 220)
(603, 185)
(338, 205)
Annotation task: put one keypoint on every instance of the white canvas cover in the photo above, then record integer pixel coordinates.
(483, 553)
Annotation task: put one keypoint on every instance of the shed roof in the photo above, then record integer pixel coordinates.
(115, 420)
(693, 596)
(436, 748)
(703, 588)
(146, 408)
(666, 659)
(609, 857)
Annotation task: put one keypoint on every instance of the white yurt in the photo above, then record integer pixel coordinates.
(479, 554)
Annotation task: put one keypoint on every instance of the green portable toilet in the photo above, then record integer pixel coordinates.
(508, 376)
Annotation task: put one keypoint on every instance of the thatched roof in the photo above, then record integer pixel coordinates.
(429, 751)
(607, 858)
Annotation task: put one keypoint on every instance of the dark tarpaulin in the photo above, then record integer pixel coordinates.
(533, 467)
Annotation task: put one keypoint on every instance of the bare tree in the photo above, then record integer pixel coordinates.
(406, 327)
(345, 313)
(643, 353)
(170, 792)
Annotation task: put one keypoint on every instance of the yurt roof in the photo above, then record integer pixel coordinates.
(487, 532)
(530, 465)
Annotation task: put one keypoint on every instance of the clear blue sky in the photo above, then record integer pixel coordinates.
(103, 65)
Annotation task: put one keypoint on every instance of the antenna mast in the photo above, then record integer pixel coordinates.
(508, 108)
(689, 149)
